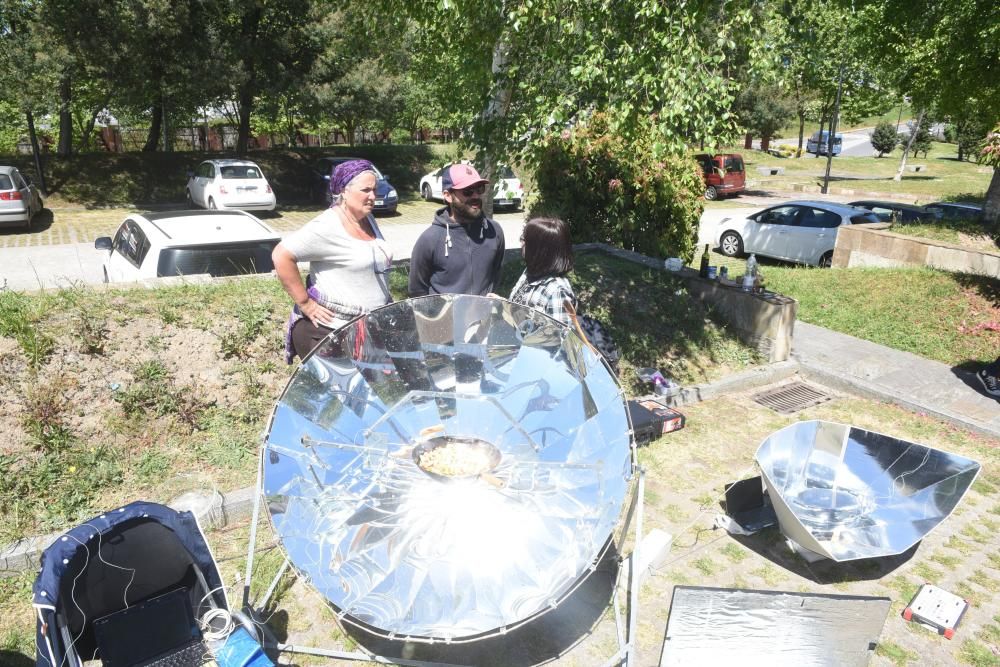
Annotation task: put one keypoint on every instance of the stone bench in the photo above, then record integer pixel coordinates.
(770, 171)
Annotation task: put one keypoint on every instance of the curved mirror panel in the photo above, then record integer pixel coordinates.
(448, 466)
(847, 493)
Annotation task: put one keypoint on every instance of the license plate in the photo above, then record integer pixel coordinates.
(379, 202)
(246, 188)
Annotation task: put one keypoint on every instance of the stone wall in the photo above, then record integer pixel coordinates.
(764, 321)
(874, 245)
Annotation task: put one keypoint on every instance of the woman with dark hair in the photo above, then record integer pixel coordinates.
(548, 257)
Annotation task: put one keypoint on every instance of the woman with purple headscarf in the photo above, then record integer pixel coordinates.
(349, 261)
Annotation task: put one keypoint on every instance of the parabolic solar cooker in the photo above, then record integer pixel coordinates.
(448, 467)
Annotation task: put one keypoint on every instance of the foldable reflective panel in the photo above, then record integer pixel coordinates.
(728, 626)
(847, 493)
(448, 467)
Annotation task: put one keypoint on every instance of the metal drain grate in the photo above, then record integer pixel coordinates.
(791, 398)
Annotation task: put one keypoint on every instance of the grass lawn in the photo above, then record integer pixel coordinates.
(950, 317)
(944, 177)
(132, 393)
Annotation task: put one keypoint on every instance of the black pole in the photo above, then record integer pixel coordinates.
(833, 129)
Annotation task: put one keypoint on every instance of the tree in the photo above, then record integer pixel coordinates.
(884, 138)
(269, 48)
(942, 53)
(918, 139)
(763, 110)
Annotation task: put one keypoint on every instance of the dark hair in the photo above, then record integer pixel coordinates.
(548, 250)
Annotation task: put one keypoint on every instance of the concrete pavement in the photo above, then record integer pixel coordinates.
(875, 371)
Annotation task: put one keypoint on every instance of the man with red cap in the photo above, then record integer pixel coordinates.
(461, 252)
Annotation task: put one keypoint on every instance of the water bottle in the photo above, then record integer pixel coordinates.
(749, 278)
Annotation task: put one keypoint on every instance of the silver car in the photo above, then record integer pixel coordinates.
(20, 200)
(797, 231)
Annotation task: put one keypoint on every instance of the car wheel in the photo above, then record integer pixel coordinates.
(826, 260)
(106, 276)
(731, 244)
(711, 194)
(211, 204)
(425, 192)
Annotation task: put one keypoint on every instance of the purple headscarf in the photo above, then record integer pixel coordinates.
(345, 172)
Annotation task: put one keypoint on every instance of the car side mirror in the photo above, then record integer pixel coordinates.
(102, 243)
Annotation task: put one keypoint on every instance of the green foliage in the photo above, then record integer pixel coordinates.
(884, 138)
(764, 109)
(44, 416)
(236, 341)
(922, 140)
(617, 190)
(153, 391)
(19, 320)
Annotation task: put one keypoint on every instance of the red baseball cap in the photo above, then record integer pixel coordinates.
(460, 176)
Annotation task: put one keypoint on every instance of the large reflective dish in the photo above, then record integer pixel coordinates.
(448, 467)
(847, 493)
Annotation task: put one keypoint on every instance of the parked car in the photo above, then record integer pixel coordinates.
(20, 200)
(891, 211)
(819, 144)
(225, 184)
(798, 231)
(942, 209)
(724, 174)
(180, 243)
(507, 188)
(386, 198)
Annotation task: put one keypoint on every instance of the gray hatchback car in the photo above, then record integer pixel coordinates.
(20, 200)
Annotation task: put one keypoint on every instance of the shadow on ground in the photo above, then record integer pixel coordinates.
(540, 640)
(41, 223)
(770, 543)
(11, 659)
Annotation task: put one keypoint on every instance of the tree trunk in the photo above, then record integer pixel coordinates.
(802, 130)
(819, 140)
(496, 108)
(33, 137)
(765, 143)
(991, 210)
(65, 148)
(909, 144)
(153, 138)
(748, 141)
(246, 108)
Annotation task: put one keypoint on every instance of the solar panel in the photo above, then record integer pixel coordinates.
(448, 467)
(847, 493)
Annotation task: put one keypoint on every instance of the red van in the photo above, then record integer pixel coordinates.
(724, 174)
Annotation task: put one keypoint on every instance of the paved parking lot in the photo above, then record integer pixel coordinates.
(62, 225)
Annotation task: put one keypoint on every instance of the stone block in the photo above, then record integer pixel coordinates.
(916, 167)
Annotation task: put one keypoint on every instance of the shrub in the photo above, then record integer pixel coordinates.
(884, 138)
(621, 192)
(922, 142)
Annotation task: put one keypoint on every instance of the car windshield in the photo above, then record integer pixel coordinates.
(241, 171)
(5, 182)
(231, 259)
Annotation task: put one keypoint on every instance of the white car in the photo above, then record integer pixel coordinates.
(20, 200)
(797, 231)
(507, 188)
(178, 243)
(225, 184)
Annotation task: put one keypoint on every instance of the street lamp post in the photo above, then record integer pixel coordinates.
(833, 129)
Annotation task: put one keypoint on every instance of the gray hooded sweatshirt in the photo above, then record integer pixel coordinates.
(450, 258)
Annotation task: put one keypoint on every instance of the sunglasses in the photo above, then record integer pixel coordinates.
(473, 190)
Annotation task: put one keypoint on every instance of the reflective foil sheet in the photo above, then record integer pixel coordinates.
(448, 466)
(724, 626)
(847, 493)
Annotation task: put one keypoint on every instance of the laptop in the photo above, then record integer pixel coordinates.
(158, 632)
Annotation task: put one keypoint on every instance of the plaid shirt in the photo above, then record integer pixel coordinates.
(545, 294)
